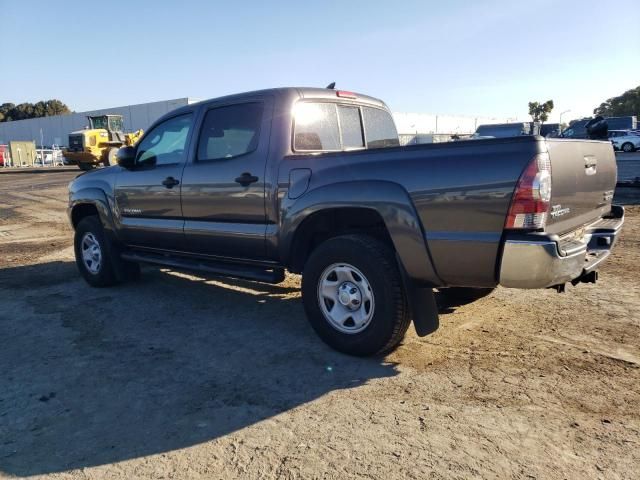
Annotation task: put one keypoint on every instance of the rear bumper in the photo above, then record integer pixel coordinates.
(532, 261)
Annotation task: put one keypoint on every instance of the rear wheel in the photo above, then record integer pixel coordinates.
(628, 147)
(85, 166)
(353, 295)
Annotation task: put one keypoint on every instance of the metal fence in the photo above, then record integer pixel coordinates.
(43, 157)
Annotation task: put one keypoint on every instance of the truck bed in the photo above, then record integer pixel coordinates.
(462, 191)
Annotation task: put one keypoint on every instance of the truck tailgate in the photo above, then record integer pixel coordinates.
(584, 177)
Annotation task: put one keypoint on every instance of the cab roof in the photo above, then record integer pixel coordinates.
(284, 94)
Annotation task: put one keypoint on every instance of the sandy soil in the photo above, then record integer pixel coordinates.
(182, 376)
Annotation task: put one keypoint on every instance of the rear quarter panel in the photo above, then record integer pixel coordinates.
(460, 191)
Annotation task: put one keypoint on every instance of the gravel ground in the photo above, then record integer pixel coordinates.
(185, 376)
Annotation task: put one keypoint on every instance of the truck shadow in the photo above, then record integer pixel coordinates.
(96, 376)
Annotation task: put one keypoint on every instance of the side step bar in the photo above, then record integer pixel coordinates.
(233, 270)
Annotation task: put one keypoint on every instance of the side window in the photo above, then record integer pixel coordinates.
(351, 127)
(166, 143)
(316, 127)
(230, 131)
(380, 129)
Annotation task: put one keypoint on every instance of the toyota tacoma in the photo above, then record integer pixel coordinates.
(314, 181)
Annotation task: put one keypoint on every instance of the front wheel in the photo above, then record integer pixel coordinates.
(628, 147)
(353, 295)
(85, 167)
(111, 158)
(97, 257)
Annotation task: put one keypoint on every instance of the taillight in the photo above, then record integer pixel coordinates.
(530, 202)
(345, 94)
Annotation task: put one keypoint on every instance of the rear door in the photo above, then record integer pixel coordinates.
(148, 195)
(583, 180)
(223, 188)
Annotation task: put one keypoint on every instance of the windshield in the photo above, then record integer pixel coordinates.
(115, 124)
(99, 122)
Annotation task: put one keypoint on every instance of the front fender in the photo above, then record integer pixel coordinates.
(391, 202)
(97, 198)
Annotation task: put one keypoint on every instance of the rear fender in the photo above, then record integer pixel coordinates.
(391, 202)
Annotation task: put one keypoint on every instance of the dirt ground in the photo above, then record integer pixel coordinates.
(182, 376)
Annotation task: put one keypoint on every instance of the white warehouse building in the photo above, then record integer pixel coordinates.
(48, 131)
(55, 130)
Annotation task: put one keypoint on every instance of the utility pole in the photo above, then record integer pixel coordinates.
(560, 121)
(41, 147)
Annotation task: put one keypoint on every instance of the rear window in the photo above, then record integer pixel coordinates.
(316, 127)
(334, 127)
(380, 129)
(351, 127)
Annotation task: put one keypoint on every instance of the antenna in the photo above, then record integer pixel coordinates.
(331, 86)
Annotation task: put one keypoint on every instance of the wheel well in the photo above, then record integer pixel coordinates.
(333, 222)
(81, 211)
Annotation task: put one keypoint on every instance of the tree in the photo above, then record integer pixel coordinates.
(43, 108)
(4, 111)
(626, 104)
(540, 111)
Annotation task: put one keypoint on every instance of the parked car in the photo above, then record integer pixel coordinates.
(314, 181)
(501, 130)
(625, 140)
(577, 128)
(549, 129)
(514, 129)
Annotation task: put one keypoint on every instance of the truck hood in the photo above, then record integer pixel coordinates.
(102, 178)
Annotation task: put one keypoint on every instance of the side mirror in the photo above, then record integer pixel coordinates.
(126, 157)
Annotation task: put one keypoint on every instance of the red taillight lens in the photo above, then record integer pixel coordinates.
(530, 202)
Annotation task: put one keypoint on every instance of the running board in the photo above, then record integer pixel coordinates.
(233, 270)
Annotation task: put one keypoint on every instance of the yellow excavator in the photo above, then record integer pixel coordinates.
(99, 143)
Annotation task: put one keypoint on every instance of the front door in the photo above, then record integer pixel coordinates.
(148, 196)
(223, 189)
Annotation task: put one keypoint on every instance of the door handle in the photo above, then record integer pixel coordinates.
(170, 182)
(246, 178)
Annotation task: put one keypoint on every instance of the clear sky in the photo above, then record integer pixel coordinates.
(446, 57)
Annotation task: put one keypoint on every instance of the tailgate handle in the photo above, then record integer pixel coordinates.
(590, 164)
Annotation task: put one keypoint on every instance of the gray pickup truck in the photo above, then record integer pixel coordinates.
(314, 181)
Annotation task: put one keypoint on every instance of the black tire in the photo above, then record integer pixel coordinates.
(628, 147)
(90, 230)
(111, 158)
(85, 167)
(457, 296)
(377, 262)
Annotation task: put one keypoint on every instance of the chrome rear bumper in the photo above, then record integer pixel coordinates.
(537, 262)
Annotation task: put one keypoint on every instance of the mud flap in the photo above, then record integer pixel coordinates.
(422, 303)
